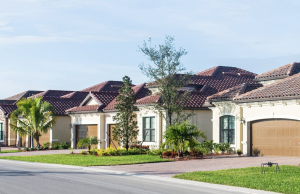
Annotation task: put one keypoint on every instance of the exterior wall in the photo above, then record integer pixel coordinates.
(289, 109)
(61, 132)
(227, 108)
(246, 113)
(202, 118)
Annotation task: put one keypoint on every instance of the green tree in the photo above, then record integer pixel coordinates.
(169, 75)
(126, 128)
(33, 117)
(181, 136)
(88, 142)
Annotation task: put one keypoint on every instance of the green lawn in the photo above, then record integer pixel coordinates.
(287, 181)
(88, 160)
(9, 151)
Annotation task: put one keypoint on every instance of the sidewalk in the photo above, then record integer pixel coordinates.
(42, 152)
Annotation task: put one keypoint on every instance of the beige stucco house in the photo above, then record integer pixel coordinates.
(261, 118)
(94, 116)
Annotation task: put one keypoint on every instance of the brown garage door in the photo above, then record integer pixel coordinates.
(83, 131)
(276, 137)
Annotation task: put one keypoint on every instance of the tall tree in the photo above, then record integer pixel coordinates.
(33, 117)
(169, 74)
(126, 128)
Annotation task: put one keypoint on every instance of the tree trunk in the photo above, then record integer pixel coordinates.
(127, 144)
(37, 139)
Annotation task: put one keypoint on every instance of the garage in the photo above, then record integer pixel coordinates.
(83, 131)
(275, 137)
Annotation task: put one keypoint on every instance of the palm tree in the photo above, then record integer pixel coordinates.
(33, 117)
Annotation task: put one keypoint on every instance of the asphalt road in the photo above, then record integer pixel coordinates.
(36, 178)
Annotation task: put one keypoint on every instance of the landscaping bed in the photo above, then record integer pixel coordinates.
(89, 160)
(286, 181)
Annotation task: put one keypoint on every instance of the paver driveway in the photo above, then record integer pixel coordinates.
(169, 169)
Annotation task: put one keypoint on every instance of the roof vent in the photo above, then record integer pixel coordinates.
(229, 73)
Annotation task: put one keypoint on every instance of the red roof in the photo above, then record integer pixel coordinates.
(231, 93)
(210, 82)
(7, 102)
(52, 93)
(287, 88)
(108, 86)
(23, 95)
(8, 109)
(140, 92)
(84, 108)
(281, 72)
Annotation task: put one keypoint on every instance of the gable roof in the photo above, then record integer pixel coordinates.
(231, 93)
(209, 82)
(102, 98)
(25, 94)
(281, 72)
(140, 92)
(287, 88)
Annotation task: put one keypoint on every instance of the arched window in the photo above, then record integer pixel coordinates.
(227, 129)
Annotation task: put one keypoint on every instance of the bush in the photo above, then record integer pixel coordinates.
(83, 152)
(46, 145)
(155, 152)
(64, 145)
(26, 149)
(88, 142)
(55, 145)
(139, 146)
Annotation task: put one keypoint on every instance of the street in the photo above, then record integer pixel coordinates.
(31, 178)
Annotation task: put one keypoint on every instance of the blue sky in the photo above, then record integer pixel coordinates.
(73, 44)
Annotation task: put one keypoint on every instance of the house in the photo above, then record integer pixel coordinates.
(260, 118)
(7, 106)
(94, 116)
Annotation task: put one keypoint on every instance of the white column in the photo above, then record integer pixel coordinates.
(73, 136)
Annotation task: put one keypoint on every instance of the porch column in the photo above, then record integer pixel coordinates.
(73, 136)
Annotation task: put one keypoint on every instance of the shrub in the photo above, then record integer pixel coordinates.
(72, 151)
(88, 142)
(55, 145)
(46, 145)
(64, 145)
(225, 147)
(139, 147)
(155, 152)
(26, 149)
(83, 152)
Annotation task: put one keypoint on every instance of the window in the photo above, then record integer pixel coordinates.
(149, 129)
(227, 129)
(1, 131)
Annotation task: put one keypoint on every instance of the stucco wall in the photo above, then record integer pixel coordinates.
(61, 132)
(2, 120)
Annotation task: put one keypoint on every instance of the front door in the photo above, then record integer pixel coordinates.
(112, 142)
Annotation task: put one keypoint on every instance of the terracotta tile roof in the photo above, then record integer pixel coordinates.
(281, 72)
(108, 86)
(23, 95)
(84, 108)
(148, 99)
(287, 88)
(80, 96)
(52, 93)
(103, 98)
(140, 92)
(62, 104)
(231, 93)
(8, 109)
(7, 102)
(210, 82)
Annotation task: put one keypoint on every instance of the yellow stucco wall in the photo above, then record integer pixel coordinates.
(61, 132)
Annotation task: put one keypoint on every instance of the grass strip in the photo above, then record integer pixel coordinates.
(9, 151)
(88, 160)
(287, 181)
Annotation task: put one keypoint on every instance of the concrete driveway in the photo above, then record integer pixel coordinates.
(169, 169)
